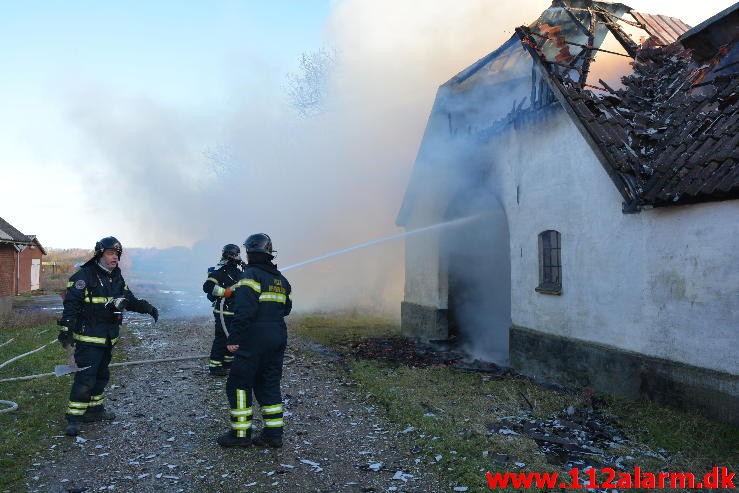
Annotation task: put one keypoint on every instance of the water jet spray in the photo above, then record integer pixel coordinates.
(378, 241)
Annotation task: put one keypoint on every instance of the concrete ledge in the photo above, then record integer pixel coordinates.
(6, 304)
(576, 363)
(423, 322)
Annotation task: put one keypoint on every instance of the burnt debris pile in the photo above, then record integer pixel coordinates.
(400, 351)
(571, 438)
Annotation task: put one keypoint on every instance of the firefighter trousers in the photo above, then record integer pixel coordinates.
(219, 355)
(86, 395)
(260, 373)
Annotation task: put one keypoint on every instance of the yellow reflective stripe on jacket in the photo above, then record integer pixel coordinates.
(96, 299)
(211, 279)
(219, 291)
(276, 297)
(94, 340)
(70, 284)
(251, 283)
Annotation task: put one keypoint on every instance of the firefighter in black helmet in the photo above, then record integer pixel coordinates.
(94, 301)
(258, 339)
(218, 288)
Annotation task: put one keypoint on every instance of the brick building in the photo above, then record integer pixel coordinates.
(20, 264)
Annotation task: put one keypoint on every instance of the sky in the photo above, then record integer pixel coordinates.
(166, 123)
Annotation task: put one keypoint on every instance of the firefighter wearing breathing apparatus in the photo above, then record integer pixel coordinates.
(218, 288)
(258, 337)
(94, 301)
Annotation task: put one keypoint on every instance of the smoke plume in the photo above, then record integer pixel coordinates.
(202, 178)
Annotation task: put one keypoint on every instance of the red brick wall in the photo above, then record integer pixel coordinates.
(30, 252)
(7, 269)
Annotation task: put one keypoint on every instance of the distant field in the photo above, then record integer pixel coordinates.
(58, 265)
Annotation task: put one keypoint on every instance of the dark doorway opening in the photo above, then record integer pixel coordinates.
(476, 259)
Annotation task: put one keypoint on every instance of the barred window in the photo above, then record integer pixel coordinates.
(550, 264)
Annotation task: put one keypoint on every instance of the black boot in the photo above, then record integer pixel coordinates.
(229, 439)
(73, 428)
(218, 371)
(268, 441)
(91, 417)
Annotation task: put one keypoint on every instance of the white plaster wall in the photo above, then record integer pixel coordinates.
(663, 282)
(423, 280)
(430, 190)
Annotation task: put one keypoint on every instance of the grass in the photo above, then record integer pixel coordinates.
(41, 402)
(697, 442)
(451, 410)
(330, 328)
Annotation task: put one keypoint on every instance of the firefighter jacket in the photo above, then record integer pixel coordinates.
(219, 279)
(89, 313)
(261, 301)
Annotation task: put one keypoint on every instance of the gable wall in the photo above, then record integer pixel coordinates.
(423, 312)
(656, 282)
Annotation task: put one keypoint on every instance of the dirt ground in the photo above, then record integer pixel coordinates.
(169, 414)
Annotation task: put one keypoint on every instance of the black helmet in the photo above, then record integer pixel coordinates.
(231, 251)
(259, 243)
(108, 243)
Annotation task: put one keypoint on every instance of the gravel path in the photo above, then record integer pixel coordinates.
(169, 414)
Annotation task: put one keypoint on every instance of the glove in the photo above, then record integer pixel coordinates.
(66, 338)
(116, 304)
(154, 313)
(228, 292)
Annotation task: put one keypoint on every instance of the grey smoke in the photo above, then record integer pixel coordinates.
(202, 178)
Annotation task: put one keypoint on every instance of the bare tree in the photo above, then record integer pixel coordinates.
(221, 159)
(307, 89)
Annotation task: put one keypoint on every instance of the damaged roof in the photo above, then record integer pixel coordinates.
(670, 135)
(657, 105)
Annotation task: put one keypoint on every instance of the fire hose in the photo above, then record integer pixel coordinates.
(223, 320)
(12, 406)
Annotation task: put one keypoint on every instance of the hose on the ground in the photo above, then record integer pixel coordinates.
(289, 358)
(12, 406)
(8, 341)
(26, 354)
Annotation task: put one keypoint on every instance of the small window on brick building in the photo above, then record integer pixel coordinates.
(550, 264)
